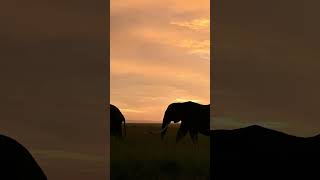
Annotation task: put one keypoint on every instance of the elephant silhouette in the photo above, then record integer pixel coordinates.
(194, 117)
(16, 162)
(116, 119)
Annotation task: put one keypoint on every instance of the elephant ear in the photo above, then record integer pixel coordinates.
(180, 112)
(170, 113)
(185, 111)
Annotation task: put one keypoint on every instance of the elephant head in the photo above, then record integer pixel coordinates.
(116, 120)
(173, 113)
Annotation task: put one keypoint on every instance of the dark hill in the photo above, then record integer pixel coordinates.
(255, 152)
(16, 163)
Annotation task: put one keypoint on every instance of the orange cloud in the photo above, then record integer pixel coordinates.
(196, 24)
(201, 48)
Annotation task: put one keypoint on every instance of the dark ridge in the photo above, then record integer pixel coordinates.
(16, 163)
(256, 152)
(255, 129)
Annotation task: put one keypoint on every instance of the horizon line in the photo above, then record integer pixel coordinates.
(142, 121)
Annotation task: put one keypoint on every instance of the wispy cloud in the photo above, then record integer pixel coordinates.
(201, 48)
(131, 110)
(184, 100)
(195, 24)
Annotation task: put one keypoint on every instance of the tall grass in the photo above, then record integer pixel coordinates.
(142, 156)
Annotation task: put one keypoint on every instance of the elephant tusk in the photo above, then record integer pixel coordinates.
(164, 128)
(158, 132)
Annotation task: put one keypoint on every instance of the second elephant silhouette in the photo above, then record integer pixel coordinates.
(116, 120)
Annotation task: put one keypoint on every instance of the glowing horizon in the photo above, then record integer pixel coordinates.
(159, 58)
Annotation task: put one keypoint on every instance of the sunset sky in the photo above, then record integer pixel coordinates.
(159, 55)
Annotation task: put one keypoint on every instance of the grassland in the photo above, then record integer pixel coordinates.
(142, 156)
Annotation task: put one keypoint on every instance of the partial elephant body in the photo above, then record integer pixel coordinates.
(17, 162)
(116, 119)
(194, 117)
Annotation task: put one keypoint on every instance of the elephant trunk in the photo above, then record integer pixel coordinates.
(124, 128)
(164, 127)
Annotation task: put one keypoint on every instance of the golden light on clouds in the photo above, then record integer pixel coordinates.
(196, 24)
(184, 100)
(201, 48)
(160, 54)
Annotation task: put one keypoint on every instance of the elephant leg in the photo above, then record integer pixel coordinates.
(181, 132)
(194, 136)
(117, 131)
(120, 130)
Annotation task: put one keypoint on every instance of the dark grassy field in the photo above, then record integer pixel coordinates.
(142, 156)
